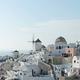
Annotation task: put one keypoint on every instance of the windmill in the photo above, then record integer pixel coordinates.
(33, 43)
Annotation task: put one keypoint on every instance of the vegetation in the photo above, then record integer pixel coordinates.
(73, 78)
(57, 61)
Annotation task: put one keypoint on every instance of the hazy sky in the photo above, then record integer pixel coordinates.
(47, 19)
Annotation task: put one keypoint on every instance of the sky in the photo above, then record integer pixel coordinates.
(46, 19)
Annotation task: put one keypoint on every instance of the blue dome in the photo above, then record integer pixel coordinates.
(61, 39)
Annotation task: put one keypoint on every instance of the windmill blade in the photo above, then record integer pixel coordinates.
(29, 41)
(33, 39)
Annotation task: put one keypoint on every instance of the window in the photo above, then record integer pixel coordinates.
(69, 51)
(56, 47)
(55, 68)
(79, 72)
(24, 73)
(68, 46)
(74, 61)
(49, 61)
(77, 62)
(62, 73)
(16, 75)
(15, 71)
(59, 47)
(20, 73)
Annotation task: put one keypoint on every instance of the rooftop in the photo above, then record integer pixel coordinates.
(38, 40)
(61, 39)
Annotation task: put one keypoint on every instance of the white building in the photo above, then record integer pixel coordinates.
(76, 62)
(50, 48)
(60, 43)
(24, 70)
(64, 67)
(71, 45)
(15, 54)
(61, 46)
(38, 45)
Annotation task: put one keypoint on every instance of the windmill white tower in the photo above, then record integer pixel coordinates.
(36, 44)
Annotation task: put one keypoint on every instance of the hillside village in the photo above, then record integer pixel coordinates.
(58, 61)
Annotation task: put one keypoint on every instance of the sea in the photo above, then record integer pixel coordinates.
(4, 53)
(10, 52)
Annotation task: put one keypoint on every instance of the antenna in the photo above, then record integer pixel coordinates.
(78, 43)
